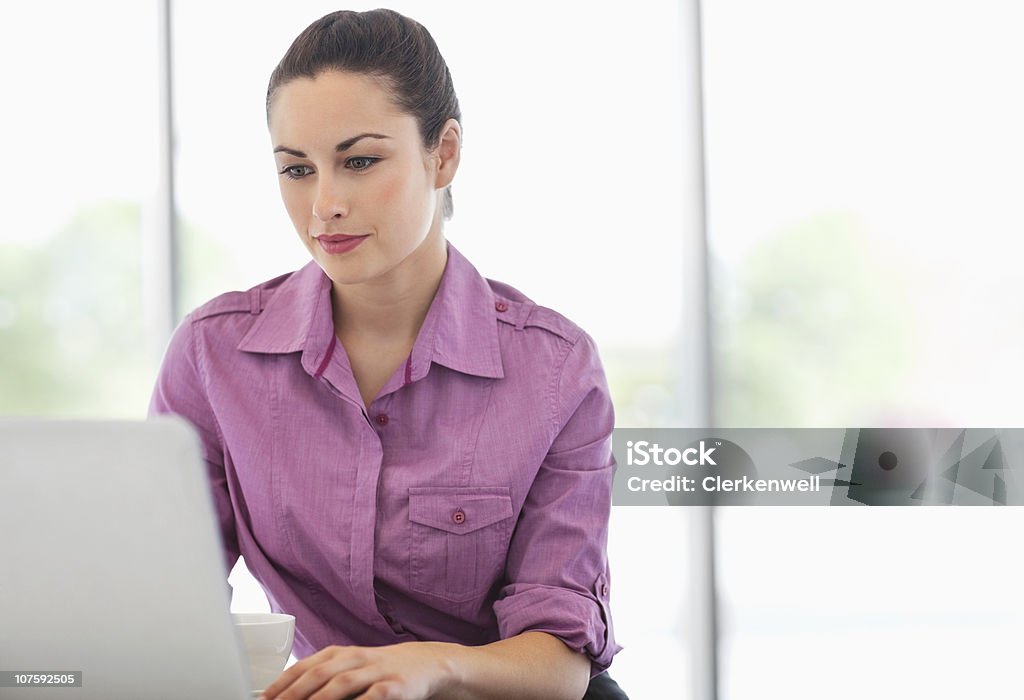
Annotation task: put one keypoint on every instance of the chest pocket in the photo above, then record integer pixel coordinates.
(459, 539)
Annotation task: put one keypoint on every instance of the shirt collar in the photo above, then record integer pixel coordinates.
(460, 330)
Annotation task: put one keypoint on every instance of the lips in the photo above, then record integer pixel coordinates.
(339, 243)
(337, 237)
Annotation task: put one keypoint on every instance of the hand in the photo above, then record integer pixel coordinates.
(407, 671)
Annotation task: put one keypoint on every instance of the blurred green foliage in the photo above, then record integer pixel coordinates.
(813, 329)
(71, 335)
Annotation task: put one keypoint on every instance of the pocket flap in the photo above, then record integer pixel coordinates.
(459, 509)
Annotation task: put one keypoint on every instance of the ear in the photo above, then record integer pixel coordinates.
(448, 151)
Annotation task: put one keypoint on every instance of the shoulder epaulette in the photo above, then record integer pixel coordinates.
(553, 322)
(251, 301)
(228, 303)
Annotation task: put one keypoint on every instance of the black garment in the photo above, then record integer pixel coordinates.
(602, 687)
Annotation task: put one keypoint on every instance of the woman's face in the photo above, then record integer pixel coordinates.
(359, 186)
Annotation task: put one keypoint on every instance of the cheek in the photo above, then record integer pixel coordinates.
(406, 193)
(295, 203)
(394, 189)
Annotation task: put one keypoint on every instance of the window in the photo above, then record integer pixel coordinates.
(81, 154)
(863, 171)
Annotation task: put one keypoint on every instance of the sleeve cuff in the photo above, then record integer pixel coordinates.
(580, 620)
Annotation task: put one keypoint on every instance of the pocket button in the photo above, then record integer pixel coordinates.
(458, 517)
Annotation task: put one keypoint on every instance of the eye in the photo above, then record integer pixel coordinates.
(361, 162)
(296, 172)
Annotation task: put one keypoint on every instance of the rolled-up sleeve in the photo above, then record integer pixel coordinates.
(180, 389)
(557, 567)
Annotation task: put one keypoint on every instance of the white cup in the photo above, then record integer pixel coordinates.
(267, 639)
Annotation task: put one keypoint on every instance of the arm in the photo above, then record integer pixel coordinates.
(180, 389)
(534, 664)
(557, 567)
(529, 666)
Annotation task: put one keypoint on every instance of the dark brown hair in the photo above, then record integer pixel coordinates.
(385, 45)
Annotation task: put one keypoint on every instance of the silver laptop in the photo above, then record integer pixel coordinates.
(111, 565)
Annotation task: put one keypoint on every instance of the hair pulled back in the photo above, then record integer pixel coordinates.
(385, 45)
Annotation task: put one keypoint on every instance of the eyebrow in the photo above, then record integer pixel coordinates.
(343, 146)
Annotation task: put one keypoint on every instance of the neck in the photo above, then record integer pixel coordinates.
(392, 308)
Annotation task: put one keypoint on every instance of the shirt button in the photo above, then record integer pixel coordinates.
(500, 306)
(382, 419)
(458, 517)
(604, 589)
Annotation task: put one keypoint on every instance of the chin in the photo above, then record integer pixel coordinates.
(348, 270)
(341, 273)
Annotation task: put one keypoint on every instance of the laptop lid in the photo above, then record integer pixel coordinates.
(111, 563)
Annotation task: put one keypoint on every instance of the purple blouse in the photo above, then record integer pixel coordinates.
(470, 503)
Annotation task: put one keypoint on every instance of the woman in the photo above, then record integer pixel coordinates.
(413, 460)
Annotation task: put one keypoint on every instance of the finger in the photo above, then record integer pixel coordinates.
(346, 685)
(320, 675)
(384, 690)
(294, 672)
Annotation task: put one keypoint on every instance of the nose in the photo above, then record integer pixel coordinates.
(330, 202)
